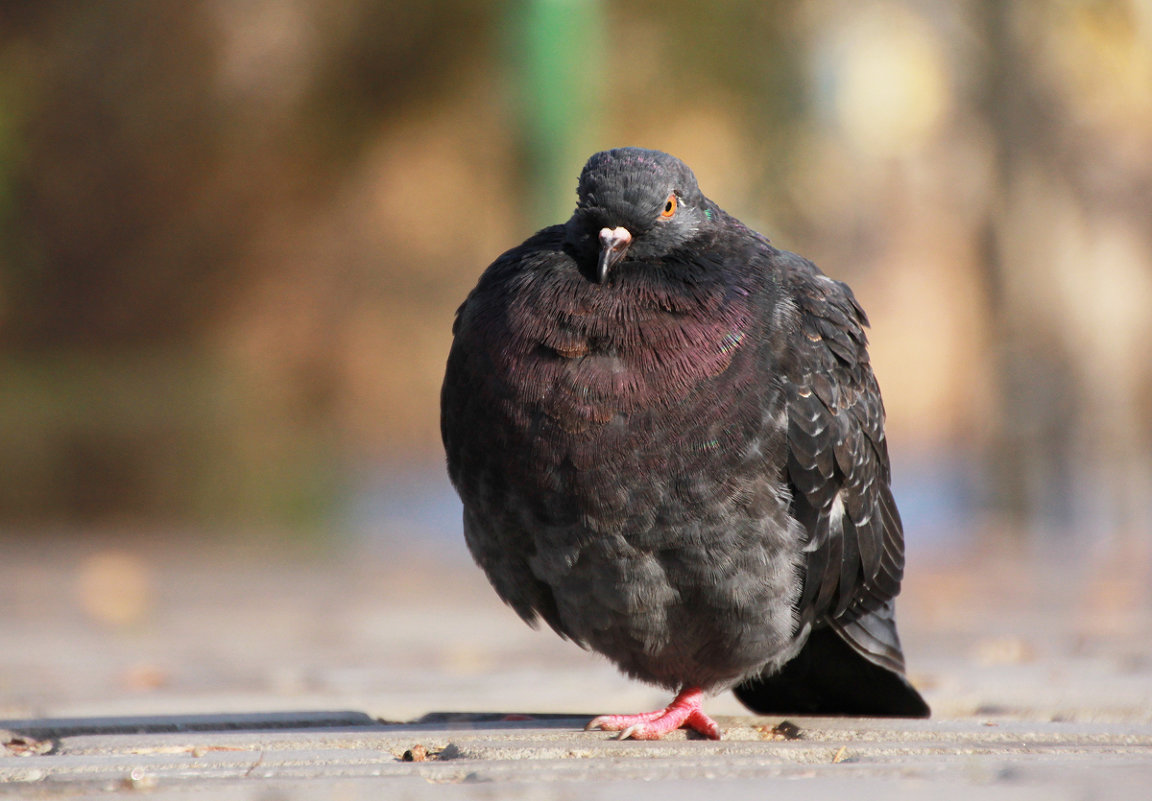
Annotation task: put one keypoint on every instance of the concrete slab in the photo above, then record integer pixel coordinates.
(275, 676)
(301, 753)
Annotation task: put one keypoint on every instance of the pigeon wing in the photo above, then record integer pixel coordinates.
(838, 464)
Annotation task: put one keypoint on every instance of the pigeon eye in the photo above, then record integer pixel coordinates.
(669, 206)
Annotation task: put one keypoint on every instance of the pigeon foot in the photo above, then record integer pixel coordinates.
(684, 711)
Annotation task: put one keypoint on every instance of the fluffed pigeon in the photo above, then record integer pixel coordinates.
(670, 447)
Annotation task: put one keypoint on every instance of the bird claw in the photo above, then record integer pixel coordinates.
(684, 712)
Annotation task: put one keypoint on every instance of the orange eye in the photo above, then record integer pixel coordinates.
(669, 206)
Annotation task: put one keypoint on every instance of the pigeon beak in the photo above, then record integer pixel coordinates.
(614, 244)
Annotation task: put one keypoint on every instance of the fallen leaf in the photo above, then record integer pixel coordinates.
(416, 753)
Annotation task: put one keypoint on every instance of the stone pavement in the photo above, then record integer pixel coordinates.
(181, 667)
(489, 757)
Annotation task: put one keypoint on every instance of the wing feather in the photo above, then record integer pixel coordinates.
(838, 459)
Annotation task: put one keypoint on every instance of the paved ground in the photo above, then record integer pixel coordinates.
(273, 673)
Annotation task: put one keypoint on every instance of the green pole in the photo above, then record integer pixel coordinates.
(557, 59)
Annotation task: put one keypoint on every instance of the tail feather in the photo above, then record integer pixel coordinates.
(873, 636)
(852, 669)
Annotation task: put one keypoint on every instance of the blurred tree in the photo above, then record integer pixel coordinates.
(147, 149)
(377, 62)
(118, 249)
(232, 234)
(1067, 251)
(118, 120)
(1029, 453)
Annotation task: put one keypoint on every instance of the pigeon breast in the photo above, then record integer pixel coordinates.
(609, 443)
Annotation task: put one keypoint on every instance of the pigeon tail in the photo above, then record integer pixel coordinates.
(840, 672)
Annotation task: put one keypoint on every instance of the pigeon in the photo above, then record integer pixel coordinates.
(669, 444)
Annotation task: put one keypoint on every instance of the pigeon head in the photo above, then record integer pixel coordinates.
(636, 204)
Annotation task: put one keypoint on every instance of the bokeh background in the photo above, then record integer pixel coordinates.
(233, 235)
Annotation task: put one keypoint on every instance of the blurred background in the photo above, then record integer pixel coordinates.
(233, 235)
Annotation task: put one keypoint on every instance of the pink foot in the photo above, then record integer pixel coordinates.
(684, 711)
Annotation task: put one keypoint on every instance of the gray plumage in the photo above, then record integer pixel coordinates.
(670, 447)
